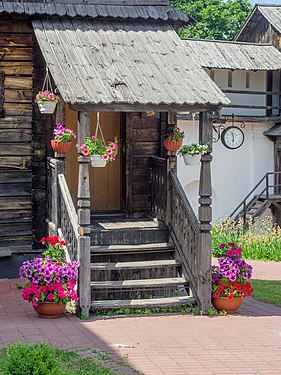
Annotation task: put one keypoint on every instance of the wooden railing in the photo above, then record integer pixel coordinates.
(159, 188)
(184, 230)
(268, 185)
(68, 218)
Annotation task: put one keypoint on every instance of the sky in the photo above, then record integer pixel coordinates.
(276, 2)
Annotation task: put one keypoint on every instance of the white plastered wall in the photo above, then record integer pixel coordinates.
(234, 172)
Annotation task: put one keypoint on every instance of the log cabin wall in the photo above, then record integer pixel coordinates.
(16, 134)
(143, 140)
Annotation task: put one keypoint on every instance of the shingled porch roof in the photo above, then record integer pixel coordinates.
(124, 66)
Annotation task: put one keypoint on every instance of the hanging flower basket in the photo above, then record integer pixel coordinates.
(172, 145)
(191, 160)
(46, 99)
(60, 147)
(96, 147)
(47, 108)
(97, 161)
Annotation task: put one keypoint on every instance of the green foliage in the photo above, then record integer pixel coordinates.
(267, 291)
(260, 241)
(43, 359)
(149, 311)
(27, 359)
(216, 19)
(194, 149)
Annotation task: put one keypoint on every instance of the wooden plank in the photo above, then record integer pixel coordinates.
(146, 135)
(16, 189)
(14, 82)
(16, 216)
(135, 265)
(24, 122)
(15, 54)
(15, 135)
(12, 176)
(96, 250)
(15, 149)
(142, 303)
(15, 162)
(18, 109)
(15, 203)
(141, 188)
(5, 252)
(18, 96)
(145, 283)
(19, 26)
(140, 175)
(14, 68)
(14, 229)
(2, 76)
(145, 148)
(15, 40)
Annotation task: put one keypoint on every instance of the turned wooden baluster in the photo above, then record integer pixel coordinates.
(204, 260)
(84, 217)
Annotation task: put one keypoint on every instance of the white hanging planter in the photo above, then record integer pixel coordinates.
(97, 162)
(191, 159)
(47, 108)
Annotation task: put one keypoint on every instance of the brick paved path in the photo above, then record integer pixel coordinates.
(247, 343)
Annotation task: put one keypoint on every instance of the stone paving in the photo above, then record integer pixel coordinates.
(246, 343)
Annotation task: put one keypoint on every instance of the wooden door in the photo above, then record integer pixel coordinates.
(105, 183)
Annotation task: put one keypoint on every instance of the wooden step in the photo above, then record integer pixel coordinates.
(135, 265)
(145, 283)
(130, 249)
(143, 303)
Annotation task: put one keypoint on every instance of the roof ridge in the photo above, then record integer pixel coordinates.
(227, 41)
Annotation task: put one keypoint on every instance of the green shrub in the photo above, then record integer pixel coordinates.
(29, 359)
(260, 241)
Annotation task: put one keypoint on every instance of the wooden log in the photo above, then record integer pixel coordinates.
(15, 135)
(15, 82)
(18, 203)
(16, 68)
(15, 40)
(19, 122)
(15, 54)
(20, 26)
(15, 162)
(18, 96)
(15, 149)
(18, 109)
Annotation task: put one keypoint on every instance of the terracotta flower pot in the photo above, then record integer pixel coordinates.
(224, 284)
(49, 310)
(172, 145)
(60, 147)
(228, 305)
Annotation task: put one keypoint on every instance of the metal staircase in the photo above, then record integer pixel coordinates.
(265, 193)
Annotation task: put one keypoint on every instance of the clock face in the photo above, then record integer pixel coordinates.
(232, 137)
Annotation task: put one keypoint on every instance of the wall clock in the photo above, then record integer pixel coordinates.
(232, 137)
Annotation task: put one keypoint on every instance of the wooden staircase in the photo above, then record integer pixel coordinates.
(133, 265)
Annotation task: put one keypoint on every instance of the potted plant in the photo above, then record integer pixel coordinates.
(55, 249)
(49, 286)
(230, 279)
(173, 139)
(46, 101)
(99, 152)
(192, 153)
(62, 140)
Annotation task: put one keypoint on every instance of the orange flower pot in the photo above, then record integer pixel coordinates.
(172, 145)
(49, 310)
(60, 147)
(228, 305)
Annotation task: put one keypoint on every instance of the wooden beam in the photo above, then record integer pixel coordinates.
(205, 217)
(84, 217)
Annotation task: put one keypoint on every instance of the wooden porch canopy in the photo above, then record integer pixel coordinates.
(124, 65)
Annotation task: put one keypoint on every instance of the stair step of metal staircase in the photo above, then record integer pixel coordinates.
(134, 265)
(143, 303)
(144, 283)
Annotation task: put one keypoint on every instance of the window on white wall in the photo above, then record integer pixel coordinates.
(229, 78)
(247, 80)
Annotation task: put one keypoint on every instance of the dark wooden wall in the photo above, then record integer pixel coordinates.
(143, 140)
(262, 32)
(16, 134)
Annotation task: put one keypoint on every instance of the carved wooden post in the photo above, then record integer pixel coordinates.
(204, 263)
(171, 165)
(84, 217)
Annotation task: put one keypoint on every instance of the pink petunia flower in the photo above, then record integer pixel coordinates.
(94, 138)
(105, 157)
(85, 152)
(109, 151)
(83, 146)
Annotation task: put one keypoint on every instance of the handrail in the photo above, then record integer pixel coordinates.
(187, 206)
(69, 203)
(243, 206)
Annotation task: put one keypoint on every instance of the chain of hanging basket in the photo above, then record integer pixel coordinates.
(47, 82)
(99, 129)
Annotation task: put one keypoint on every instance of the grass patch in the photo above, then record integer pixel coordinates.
(267, 291)
(260, 241)
(43, 359)
(149, 311)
